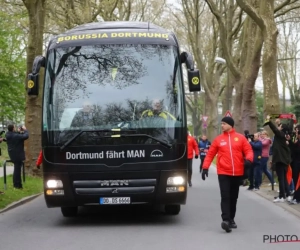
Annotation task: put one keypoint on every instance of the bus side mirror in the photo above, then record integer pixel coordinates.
(194, 80)
(33, 77)
(33, 84)
(193, 74)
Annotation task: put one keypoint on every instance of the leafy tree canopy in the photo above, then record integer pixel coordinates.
(12, 69)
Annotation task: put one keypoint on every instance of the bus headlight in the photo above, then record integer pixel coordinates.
(176, 180)
(54, 184)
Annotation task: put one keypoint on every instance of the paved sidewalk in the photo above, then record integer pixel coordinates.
(269, 194)
(9, 170)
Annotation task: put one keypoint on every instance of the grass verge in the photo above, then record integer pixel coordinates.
(31, 186)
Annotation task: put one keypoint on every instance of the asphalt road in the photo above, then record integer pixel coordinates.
(33, 226)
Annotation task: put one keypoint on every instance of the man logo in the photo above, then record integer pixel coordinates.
(114, 190)
(156, 153)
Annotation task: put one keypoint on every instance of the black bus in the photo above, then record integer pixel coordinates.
(114, 128)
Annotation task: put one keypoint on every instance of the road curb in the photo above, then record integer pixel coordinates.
(286, 206)
(19, 203)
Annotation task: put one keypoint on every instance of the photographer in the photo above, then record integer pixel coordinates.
(247, 135)
(281, 157)
(15, 147)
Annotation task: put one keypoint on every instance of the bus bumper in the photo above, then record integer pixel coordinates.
(83, 189)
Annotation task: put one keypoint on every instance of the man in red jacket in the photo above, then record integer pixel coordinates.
(192, 147)
(234, 155)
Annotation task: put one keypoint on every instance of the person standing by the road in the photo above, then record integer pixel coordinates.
(192, 147)
(15, 147)
(204, 145)
(281, 157)
(234, 153)
(266, 145)
(255, 173)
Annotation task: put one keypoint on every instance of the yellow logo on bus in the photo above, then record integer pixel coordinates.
(195, 80)
(30, 84)
(113, 35)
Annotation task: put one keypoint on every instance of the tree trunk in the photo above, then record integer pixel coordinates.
(33, 112)
(237, 107)
(269, 60)
(211, 108)
(254, 48)
(265, 19)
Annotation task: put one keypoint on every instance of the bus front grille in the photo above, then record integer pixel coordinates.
(108, 187)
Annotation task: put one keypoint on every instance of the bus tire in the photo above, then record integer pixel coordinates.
(172, 209)
(69, 211)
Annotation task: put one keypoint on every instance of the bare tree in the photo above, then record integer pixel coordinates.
(287, 61)
(241, 46)
(64, 15)
(197, 30)
(265, 19)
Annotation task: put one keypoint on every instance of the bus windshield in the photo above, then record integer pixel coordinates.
(104, 87)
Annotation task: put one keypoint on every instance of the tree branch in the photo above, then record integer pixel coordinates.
(282, 5)
(223, 36)
(286, 11)
(252, 13)
(184, 5)
(236, 29)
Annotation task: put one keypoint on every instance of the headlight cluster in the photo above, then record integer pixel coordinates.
(175, 184)
(54, 187)
(176, 180)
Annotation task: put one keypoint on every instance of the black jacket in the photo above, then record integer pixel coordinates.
(257, 150)
(15, 145)
(281, 150)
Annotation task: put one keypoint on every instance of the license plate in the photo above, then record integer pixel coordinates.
(114, 200)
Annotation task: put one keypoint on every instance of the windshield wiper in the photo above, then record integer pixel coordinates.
(168, 145)
(82, 131)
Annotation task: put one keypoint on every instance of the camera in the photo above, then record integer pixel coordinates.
(248, 135)
(290, 133)
(287, 129)
(20, 129)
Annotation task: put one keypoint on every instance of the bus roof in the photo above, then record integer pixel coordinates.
(114, 33)
(96, 26)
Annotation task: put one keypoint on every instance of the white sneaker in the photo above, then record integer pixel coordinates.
(289, 198)
(270, 184)
(278, 200)
(295, 202)
(293, 191)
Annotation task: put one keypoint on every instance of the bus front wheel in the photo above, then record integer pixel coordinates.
(172, 209)
(69, 211)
